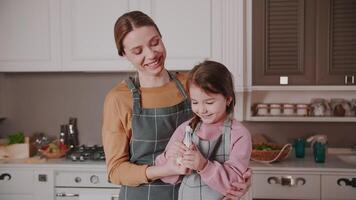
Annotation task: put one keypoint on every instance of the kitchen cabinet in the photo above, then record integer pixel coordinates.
(343, 186)
(291, 185)
(25, 183)
(303, 42)
(30, 35)
(77, 35)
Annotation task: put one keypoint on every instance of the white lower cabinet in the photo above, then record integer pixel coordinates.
(286, 185)
(25, 184)
(338, 186)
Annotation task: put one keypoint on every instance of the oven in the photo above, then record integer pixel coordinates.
(84, 185)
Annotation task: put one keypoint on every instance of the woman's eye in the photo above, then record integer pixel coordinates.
(193, 102)
(210, 102)
(137, 51)
(155, 42)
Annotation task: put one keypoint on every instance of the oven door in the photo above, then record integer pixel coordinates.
(87, 193)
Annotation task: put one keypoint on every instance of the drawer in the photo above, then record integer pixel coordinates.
(19, 181)
(286, 186)
(82, 179)
(330, 189)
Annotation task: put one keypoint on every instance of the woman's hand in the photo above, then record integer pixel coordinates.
(176, 169)
(239, 189)
(193, 159)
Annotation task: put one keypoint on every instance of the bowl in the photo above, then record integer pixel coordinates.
(269, 152)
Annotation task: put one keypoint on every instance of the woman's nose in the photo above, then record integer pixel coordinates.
(150, 53)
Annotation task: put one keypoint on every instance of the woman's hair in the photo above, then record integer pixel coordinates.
(127, 23)
(212, 77)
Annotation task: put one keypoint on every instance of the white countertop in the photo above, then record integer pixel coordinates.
(307, 164)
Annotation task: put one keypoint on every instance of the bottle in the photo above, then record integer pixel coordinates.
(63, 134)
(73, 140)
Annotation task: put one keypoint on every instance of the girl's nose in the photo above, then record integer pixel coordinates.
(202, 109)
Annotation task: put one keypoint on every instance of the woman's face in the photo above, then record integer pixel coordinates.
(210, 107)
(145, 50)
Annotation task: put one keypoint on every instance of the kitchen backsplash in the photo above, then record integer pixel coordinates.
(41, 102)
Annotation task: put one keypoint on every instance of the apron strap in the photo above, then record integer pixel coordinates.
(227, 137)
(179, 85)
(133, 84)
(136, 95)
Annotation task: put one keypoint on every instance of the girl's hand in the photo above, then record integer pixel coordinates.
(239, 189)
(193, 159)
(176, 169)
(176, 150)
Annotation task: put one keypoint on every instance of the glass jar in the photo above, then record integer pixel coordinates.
(288, 109)
(275, 109)
(302, 109)
(262, 109)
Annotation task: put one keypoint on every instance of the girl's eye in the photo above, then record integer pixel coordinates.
(194, 102)
(209, 102)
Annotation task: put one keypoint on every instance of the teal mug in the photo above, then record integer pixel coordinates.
(299, 147)
(320, 150)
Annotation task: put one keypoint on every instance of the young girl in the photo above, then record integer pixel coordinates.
(220, 147)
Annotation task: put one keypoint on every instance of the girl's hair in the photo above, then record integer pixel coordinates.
(127, 23)
(212, 77)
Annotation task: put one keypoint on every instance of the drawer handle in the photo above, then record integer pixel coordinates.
(299, 179)
(347, 182)
(114, 196)
(67, 195)
(4, 175)
(286, 180)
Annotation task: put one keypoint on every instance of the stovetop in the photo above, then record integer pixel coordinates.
(84, 152)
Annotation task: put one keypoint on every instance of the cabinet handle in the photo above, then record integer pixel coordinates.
(274, 179)
(114, 196)
(4, 175)
(347, 182)
(299, 179)
(348, 81)
(286, 180)
(67, 195)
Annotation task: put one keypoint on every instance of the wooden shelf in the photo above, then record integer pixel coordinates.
(303, 88)
(300, 119)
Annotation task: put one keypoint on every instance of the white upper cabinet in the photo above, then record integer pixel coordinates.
(30, 35)
(88, 42)
(77, 35)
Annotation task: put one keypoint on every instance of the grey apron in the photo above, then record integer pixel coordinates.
(151, 130)
(192, 187)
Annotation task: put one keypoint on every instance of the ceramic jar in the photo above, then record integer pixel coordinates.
(262, 109)
(288, 109)
(302, 109)
(275, 109)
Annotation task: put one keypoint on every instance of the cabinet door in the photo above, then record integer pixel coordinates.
(29, 35)
(334, 187)
(191, 30)
(283, 42)
(286, 186)
(189, 36)
(43, 183)
(88, 35)
(336, 42)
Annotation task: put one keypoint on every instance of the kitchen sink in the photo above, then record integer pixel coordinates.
(350, 159)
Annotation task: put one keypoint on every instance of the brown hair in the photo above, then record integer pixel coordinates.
(127, 23)
(212, 77)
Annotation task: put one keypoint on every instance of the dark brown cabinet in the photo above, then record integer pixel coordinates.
(308, 42)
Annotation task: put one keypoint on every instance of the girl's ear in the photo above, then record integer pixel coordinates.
(228, 101)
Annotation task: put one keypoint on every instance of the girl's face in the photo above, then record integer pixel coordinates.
(210, 107)
(144, 49)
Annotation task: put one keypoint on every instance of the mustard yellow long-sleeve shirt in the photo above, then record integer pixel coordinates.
(116, 130)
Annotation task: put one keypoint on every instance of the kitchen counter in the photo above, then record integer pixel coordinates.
(307, 164)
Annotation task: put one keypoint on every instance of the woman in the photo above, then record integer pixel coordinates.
(141, 114)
